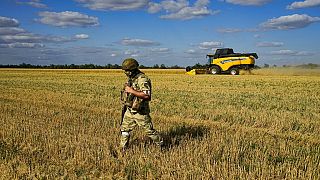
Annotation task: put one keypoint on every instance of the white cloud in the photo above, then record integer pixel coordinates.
(8, 22)
(34, 3)
(270, 44)
(304, 53)
(130, 52)
(292, 53)
(22, 45)
(210, 45)
(11, 30)
(67, 18)
(174, 6)
(249, 2)
(81, 36)
(12, 36)
(294, 21)
(304, 4)
(138, 42)
(180, 9)
(32, 38)
(283, 52)
(257, 36)
(236, 30)
(20, 38)
(173, 9)
(188, 13)
(201, 3)
(154, 7)
(229, 30)
(191, 51)
(160, 50)
(114, 4)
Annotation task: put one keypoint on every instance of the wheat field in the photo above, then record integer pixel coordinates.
(64, 124)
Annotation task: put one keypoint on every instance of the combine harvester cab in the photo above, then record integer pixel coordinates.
(225, 61)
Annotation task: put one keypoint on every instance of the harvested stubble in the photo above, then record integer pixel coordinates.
(65, 124)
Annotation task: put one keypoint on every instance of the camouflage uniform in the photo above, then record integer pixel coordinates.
(140, 116)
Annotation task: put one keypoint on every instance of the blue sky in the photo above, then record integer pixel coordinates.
(170, 32)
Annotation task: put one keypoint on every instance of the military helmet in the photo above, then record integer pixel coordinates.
(130, 64)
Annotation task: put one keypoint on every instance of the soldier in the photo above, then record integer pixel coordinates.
(136, 95)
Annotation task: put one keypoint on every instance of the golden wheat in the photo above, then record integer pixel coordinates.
(65, 124)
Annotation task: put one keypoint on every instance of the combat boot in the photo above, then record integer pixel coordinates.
(161, 145)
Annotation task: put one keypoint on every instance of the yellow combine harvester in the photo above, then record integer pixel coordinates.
(226, 61)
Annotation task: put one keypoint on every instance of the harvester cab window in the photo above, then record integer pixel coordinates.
(209, 58)
(225, 51)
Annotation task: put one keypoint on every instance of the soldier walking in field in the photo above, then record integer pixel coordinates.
(136, 96)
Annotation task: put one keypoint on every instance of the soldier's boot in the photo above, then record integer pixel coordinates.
(156, 138)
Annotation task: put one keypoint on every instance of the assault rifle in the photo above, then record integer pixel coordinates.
(124, 98)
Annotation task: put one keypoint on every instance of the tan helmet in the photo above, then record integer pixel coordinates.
(129, 64)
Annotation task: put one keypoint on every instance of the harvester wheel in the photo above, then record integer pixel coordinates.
(215, 70)
(234, 71)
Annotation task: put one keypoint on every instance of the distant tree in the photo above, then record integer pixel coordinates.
(116, 66)
(143, 67)
(162, 66)
(309, 66)
(176, 67)
(24, 65)
(199, 66)
(285, 66)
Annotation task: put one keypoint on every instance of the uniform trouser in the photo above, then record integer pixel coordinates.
(131, 120)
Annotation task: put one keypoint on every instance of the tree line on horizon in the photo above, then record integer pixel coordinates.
(86, 66)
(156, 66)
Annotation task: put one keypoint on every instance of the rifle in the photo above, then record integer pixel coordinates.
(124, 109)
(127, 95)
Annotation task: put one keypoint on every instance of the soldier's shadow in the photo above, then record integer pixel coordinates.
(180, 134)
